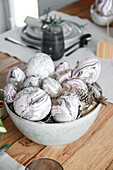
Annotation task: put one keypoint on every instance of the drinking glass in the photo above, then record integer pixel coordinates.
(44, 164)
(53, 41)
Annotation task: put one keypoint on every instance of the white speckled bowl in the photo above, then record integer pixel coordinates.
(98, 19)
(54, 134)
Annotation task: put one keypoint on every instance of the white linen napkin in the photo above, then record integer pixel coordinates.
(8, 163)
(24, 54)
(33, 22)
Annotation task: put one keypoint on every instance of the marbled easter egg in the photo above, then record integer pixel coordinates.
(88, 70)
(10, 92)
(62, 72)
(52, 87)
(104, 7)
(16, 76)
(32, 81)
(73, 85)
(41, 64)
(32, 103)
(67, 108)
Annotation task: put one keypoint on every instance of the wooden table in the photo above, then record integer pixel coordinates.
(92, 151)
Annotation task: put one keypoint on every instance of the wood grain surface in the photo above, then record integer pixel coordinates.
(93, 151)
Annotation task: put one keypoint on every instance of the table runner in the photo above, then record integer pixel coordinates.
(97, 32)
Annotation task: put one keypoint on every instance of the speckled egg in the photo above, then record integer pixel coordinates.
(62, 72)
(32, 81)
(32, 103)
(88, 69)
(10, 92)
(67, 108)
(52, 87)
(16, 76)
(41, 64)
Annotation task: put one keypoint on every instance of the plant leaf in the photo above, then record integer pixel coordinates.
(1, 123)
(2, 130)
(4, 148)
(53, 20)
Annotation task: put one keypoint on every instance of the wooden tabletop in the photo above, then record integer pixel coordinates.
(92, 151)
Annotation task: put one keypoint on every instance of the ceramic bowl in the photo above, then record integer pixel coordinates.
(98, 19)
(54, 134)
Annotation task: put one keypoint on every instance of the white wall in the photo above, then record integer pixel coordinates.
(4, 13)
(13, 12)
(27, 8)
(53, 4)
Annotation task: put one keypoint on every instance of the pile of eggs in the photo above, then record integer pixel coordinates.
(60, 92)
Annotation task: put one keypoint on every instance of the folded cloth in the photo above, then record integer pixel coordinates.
(8, 163)
(33, 22)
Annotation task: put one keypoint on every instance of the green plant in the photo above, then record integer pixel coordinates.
(2, 131)
(52, 20)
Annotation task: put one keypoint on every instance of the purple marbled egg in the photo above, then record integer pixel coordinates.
(32, 103)
(73, 85)
(16, 76)
(51, 86)
(63, 72)
(32, 81)
(10, 92)
(104, 7)
(68, 108)
(41, 64)
(88, 70)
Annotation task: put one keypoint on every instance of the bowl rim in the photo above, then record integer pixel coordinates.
(49, 159)
(100, 16)
(58, 123)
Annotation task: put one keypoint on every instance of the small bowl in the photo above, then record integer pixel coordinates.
(44, 163)
(54, 134)
(98, 19)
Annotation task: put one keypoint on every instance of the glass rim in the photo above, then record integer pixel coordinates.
(47, 29)
(44, 159)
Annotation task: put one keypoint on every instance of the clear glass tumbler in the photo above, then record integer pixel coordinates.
(44, 164)
(53, 41)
